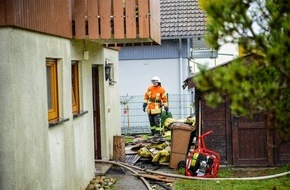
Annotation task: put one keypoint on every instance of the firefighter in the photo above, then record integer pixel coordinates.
(154, 98)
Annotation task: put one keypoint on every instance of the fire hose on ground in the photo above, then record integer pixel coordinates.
(128, 168)
(131, 167)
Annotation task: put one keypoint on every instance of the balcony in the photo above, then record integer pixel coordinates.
(117, 22)
(109, 22)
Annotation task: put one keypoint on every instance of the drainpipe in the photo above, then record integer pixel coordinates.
(180, 77)
(189, 45)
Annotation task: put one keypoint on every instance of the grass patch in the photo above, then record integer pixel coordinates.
(280, 183)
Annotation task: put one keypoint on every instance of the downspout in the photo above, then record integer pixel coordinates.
(188, 56)
(189, 45)
(180, 77)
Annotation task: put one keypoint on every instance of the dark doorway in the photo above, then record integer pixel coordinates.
(96, 114)
(249, 141)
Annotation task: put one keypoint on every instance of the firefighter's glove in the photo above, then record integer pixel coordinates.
(166, 110)
(144, 106)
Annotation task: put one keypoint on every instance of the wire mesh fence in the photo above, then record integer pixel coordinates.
(135, 121)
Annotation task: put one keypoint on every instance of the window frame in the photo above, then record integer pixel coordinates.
(53, 113)
(75, 87)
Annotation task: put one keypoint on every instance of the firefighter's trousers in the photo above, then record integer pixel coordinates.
(155, 123)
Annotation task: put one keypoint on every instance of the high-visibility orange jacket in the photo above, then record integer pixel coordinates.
(155, 97)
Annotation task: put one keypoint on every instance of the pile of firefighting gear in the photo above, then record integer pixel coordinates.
(157, 152)
(158, 149)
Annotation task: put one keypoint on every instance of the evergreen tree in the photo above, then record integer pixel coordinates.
(261, 86)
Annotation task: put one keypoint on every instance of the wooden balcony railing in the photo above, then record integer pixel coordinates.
(115, 22)
(110, 22)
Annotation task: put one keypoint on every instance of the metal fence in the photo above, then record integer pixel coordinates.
(135, 121)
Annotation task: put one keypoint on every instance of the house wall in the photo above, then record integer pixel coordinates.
(32, 154)
(110, 114)
(135, 75)
(139, 64)
(168, 61)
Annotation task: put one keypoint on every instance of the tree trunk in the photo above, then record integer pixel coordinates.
(119, 148)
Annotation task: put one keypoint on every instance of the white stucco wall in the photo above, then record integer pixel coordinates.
(33, 155)
(111, 107)
(135, 75)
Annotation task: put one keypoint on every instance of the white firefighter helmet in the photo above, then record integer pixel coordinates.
(155, 79)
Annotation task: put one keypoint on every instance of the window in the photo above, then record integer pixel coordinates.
(52, 92)
(75, 87)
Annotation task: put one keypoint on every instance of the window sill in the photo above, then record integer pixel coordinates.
(57, 121)
(80, 113)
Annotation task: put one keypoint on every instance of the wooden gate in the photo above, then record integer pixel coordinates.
(249, 141)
